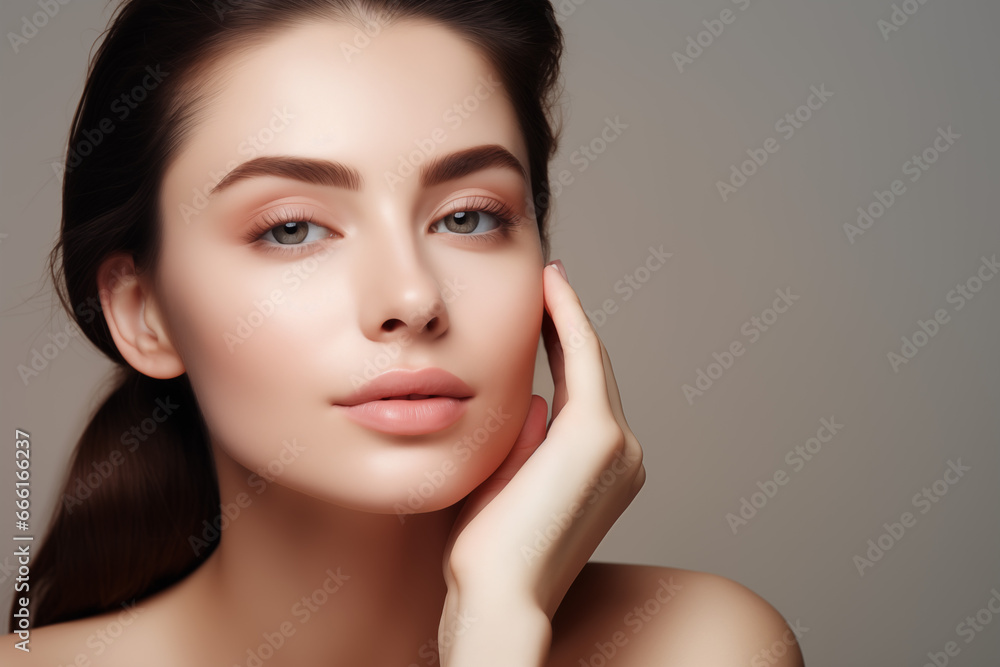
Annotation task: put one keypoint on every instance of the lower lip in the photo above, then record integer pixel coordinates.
(405, 417)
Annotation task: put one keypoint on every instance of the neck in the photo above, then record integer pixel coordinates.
(316, 583)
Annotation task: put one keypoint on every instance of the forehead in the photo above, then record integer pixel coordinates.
(370, 98)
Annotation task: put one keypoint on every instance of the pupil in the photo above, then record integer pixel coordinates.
(291, 232)
(465, 220)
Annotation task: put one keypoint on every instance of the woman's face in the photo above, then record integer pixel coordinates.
(286, 286)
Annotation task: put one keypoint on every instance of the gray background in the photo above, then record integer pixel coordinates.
(826, 357)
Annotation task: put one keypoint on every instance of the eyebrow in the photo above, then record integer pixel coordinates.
(326, 172)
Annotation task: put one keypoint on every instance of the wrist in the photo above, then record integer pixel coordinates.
(492, 630)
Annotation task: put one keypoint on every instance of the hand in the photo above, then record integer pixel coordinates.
(523, 536)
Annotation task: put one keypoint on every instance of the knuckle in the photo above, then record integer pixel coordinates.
(618, 450)
(457, 568)
(637, 483)
(465, 562)
(635, 454)
(613, 435)
(623, 440)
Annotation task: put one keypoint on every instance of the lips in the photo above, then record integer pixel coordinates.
(406, 402)
(411, 385)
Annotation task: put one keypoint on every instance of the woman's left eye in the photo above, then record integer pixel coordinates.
(464, 222)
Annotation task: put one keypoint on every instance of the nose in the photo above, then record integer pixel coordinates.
(399, 293)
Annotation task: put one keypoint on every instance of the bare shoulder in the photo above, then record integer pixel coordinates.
(110, 639)
(645, 615)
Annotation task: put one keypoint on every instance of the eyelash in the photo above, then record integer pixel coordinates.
(506, 218)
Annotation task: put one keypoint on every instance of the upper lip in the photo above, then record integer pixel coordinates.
(401, 382)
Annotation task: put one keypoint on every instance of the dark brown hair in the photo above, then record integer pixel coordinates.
(142, 482)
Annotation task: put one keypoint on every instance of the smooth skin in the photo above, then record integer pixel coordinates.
(322, 567)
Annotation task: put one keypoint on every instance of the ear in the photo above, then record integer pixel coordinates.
(134, 319)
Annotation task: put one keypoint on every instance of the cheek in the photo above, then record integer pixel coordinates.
(236, 334)
(500, 319)
(505, 312)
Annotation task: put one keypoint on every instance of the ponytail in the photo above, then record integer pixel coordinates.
(141, 482)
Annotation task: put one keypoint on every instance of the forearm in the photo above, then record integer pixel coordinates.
(477, 631)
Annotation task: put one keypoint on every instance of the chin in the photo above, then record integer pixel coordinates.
(404, 503)
(423, 485)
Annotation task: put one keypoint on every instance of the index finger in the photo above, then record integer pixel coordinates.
(583, 363)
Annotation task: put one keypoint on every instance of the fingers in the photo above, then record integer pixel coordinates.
(614, 397)
(582, 371)
(583, 378)
(531, 436)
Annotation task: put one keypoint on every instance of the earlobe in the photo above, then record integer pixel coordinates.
(130, 309)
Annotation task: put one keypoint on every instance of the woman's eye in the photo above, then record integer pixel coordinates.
(295, 233)
(464, 222)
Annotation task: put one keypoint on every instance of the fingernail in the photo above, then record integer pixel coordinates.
(562, 269)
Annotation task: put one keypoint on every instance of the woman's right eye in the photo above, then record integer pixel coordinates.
(295, 232)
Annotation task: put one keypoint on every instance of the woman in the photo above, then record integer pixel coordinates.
(313, 236)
